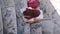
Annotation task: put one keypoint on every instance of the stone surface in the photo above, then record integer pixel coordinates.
(49, 25)
(9, 17)
(1, 23)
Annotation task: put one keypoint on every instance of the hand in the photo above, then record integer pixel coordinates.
(36, 20)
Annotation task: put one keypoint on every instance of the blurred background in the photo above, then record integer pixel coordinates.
(11, 21)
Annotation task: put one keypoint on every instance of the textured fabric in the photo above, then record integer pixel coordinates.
(40, 16)
(31, 13)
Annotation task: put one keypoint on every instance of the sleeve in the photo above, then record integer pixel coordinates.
(41, 15)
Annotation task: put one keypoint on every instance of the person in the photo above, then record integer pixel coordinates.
(31, 15)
